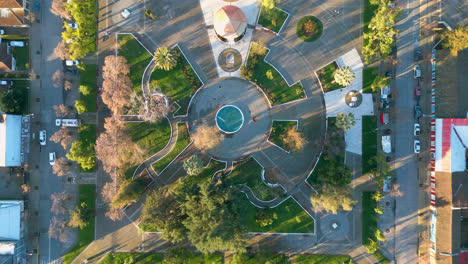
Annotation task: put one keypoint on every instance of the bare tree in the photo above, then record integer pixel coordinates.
(57, 78)
(62, 51)
(108, 192)
(67, 85)
(25, 188)
(58, 202)
(114, 213)
(58, 9)
(294, 140)
(154, 109)
(62, 110)
(61, 167)
(58, 229)
(206, 137)
(64, 136)
(117, 87)
(395, 191)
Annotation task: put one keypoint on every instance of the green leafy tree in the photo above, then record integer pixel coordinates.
(345, 121)
(372, 246)
(193, 165)
(80, 216)
(213, 219)
(86, 89)
(265, 217)
(164, 212)
(344, 76)
(336, 173)
(333, 198)
(80, 106)
(83, 153)
(177, 256)
(270, 4)
(269, 75)
(377, 196)
(457, 39)
(379, 209)
(379, 82)
(379, 235)
(129, 191)
(165, 58)
(13, 101)
(378, 42)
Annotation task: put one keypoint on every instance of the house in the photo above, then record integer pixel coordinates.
(12, 13)
(11, 233)
(10, 140)
(449, 191)
(7, 62)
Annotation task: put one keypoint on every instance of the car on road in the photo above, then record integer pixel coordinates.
(417, 129)
(42, 137)
(52, 158)
(386, 184)
(433, 75)
(417, 111)
(433, 65)
(71, 63)
(125, 13)
(417, 92)
(17, 43)
(2, 32)
(417, 54)
(417, 146)
(73, 25)
(433, 58)
(417, 71)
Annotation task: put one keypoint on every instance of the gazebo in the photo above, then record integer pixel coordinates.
(230, 23)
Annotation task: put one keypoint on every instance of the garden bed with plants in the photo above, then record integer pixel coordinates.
(327, 79)
(183, 140)
(87, 89)
(309, 28)
(272, 19)
(248, 172)
(85, 235)
(178, 84)
(279, 130)
(269, 79)
(370, 221)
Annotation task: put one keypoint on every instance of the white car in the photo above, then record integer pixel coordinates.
(3, 82)
(17, 43)
(417, 71)
(73, 25)
(386, 184)
(42, 137)
(52, 158)
(125, 13)
(71, 63)
(417, 146)
(417, 129)
(2, 32)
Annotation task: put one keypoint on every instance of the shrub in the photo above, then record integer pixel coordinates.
(309, 28)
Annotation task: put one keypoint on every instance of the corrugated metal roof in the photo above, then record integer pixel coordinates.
(10, 141)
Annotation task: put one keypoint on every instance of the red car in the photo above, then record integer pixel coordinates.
(417, 92)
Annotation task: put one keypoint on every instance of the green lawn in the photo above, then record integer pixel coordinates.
(273, 19)
(21, 55)
(157, 258)
(368, 76)
(279, 130)
(206, 173)
(87, 135)
(178, 83)
(18, 102)
(86, 235)
(369, 143)
(182, 141)
(323, 259)
(277, 90)
(369, 11)
(137, 57)
(150, 137)
(248, 172)
(327, 79)
(291, 218)
(370, 220)
(261, 258)
(88, 78)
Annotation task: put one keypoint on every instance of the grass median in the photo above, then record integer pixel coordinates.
(183, 139)
(369, 143)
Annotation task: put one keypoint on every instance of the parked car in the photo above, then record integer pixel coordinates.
(17, 43)
(417, 92)
(417, 146)
(417, 71)
(433, 65)
(52, 158)
(389, 75)
(2, 32)
(125, 13)
(70, 63)
(433, 75)
(36, 6)
(3, 82)
(417, 54)
(42, 137)
(417, 111)
(73, 25)
(433, 58)
(417, 129)
(386, 184)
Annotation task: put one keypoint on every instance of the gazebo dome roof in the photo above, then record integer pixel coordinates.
(230, 22)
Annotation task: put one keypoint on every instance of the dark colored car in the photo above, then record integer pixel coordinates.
(417, 92)
(417, 111)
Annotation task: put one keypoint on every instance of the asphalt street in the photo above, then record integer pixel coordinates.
(49, 36)
(405, 163)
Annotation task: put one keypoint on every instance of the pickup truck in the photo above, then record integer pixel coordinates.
(67, 122)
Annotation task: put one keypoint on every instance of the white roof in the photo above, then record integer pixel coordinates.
(10, 141)
(10, 220)
(7, 248)
(451, 137)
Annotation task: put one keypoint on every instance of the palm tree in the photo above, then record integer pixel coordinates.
(345, 121)
(344, 76)
(165, 58)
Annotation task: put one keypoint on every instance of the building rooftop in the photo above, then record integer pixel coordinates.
(10, 140)
(230, 22)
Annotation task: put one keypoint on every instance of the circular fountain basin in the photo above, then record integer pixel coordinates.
(229, 119)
